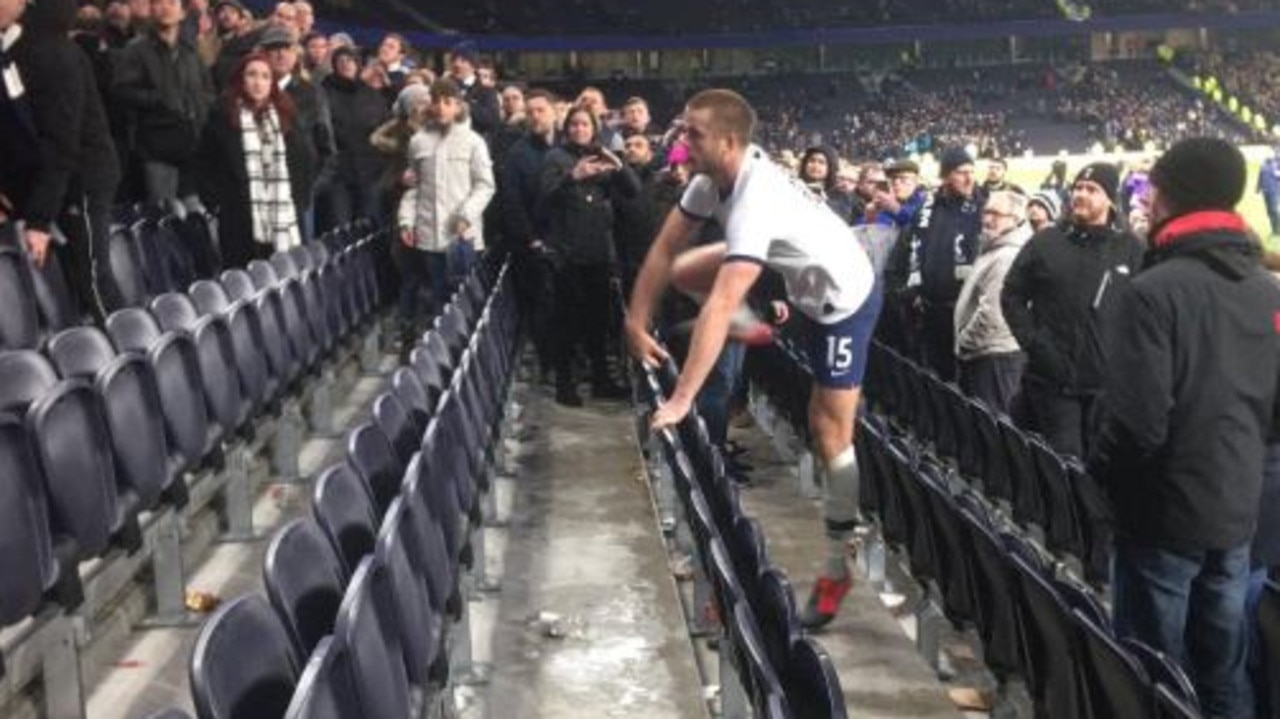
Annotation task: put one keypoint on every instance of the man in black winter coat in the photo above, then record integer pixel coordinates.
(161, 82)
(1054, 300)
(1193, 366)
(356, 110)
(57, 160)
(929, 264)
(525, 227)
(483, 105)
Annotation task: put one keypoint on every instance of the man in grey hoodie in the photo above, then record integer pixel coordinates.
(991, 361)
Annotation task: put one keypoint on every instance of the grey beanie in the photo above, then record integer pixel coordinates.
(410, 95)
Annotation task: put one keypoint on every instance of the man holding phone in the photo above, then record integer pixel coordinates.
(770, 220)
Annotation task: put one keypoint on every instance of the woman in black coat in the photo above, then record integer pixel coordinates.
(579, 184)
(246, 136)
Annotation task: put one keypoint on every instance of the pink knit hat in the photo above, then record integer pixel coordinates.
(678, 155)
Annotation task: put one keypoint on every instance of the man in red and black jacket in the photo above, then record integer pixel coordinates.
(1189, 404)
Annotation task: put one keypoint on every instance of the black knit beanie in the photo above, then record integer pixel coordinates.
(953, 158)
(1104, 175)
(1200, 173)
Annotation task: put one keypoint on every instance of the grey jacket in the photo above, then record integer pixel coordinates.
(980, 326)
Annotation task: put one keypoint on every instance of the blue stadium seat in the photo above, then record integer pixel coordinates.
(228, 405)
(811, 683)
(305, 580)
(366, 626)
(27, 564)
(392, 417)
(428, 548)
(374, 459)
(344, 509)
(324, 689)
(125, 268)
(413, 397)
(247, 341)
(20, 322)
(243, 665)
(271, 316)
(779, 622)
(418, 624)
(69, 435)
(173, 357)
(126, 384)
(1115, 683)
(1053, 660)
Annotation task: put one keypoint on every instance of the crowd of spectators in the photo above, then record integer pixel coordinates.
(1249, 76)
(1129, 108)
(585, 17)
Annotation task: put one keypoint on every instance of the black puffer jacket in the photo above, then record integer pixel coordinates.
(580, 214)
(1054, 301)
(356, 110)
(1193, 367)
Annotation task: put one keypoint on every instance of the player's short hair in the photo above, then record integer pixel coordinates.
(731, 114)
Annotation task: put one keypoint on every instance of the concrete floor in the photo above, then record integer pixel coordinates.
(583, 545)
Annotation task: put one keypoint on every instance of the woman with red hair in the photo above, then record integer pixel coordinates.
(253, 166)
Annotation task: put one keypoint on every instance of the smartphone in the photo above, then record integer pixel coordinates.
(605, 154)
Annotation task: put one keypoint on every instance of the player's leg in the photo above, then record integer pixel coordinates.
(838, 359)
(694, 271)
(832, 412)
(694, 274)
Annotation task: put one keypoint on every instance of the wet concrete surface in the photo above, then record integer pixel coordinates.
(584, 545)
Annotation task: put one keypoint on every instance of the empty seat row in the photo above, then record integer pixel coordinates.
(781, 672)
(1013, 467)
(1034, 621)
(365, 598)
(104, 427)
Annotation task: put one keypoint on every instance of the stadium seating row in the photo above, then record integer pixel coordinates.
(366, 607)
(959, 491)
(113, 437)
(769, 666)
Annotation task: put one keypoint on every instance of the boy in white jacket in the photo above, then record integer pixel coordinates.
(991, 361)
(440, 215)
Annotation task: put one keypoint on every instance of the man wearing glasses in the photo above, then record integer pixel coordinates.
(990, 360)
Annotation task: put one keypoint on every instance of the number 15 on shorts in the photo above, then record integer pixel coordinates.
(839, 354)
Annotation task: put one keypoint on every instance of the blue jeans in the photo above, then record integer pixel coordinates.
(1273, 212)
(1191, 606)
(717, 392)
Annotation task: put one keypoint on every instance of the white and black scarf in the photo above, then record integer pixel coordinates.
(275, 219)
